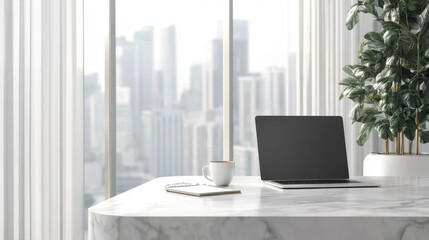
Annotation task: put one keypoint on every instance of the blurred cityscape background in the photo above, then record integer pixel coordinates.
(164, 132)
(169, 91)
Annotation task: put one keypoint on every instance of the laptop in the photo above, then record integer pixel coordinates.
(298, 152)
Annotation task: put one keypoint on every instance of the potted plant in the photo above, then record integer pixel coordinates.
(390, 84)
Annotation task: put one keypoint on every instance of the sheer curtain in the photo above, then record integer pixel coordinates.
(41, 147)
(325, 45)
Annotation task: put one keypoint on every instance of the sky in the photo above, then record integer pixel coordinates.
(271, 30)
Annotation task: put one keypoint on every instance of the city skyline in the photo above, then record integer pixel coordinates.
(163, 131)
(131, 15)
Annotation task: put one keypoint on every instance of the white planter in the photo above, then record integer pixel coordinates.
(396, 165)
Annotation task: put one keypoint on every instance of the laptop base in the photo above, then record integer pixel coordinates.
(351, 184)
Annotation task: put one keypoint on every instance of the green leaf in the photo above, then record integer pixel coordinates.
(426, 17)
(360, 48)
(412, 99)
(350, 81)
(380, 3)
(357, 95)
(391, 61)
(380, 64)
(382, 75)
(410, 129)
(375, 40)
(354, 114)
(415, 5)
(391, 16)
(348, 69)
(391, 26)
(423, 115)
(405, 43)
(389, 50)
(368, 115)
(368, 7)
(415, 22)
(397, 122)
(388, 6)
(383, 129)
(424, 136)
(383, 85)
(425, 98)
(362, 71)
(390, 37)
(402, 4)
(345, 92)
(352, 17)
(365, 130)
(373, 96)
(373, 36)
(368, 56)
(427, 53)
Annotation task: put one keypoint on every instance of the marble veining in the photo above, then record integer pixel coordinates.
(397, 210)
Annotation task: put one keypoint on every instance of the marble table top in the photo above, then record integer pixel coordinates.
(397, 197)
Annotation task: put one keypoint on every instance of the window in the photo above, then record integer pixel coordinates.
(169, 85)
(169, 75)
(170, 68)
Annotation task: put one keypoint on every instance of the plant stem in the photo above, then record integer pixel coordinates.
(387, 147)
(402, 143)
(387, 140)
(417, 90)
(417, 133)
(417, 143)
(397, 144)
(410, 147)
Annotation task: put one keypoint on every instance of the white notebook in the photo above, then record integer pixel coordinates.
(200, 190)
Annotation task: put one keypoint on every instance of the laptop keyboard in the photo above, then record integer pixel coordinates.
(314, 181)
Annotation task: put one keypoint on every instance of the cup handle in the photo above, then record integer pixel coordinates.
(205, 169)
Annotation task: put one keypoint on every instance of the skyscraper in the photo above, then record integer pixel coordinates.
(93, 135)
(241, 48)
(196, 91)
(215, 139)
(169, 66)
(216, 73)
(246, 158)
(144, 68)
(133, 67)
(252, 102)
(200, 147)
(163, 141)
(91, 88)
(275, 77)
(125, 62)
(124, 131)
(188, 146)
(291, 84)
(141, 83)
(203, 143)
(158, 90)
(240, 56)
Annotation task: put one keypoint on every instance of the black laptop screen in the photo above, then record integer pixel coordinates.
(301, 147)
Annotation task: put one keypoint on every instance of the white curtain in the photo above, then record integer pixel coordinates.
(325, 45)
(41, 112)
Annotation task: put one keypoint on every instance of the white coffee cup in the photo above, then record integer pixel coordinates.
(221, 172)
